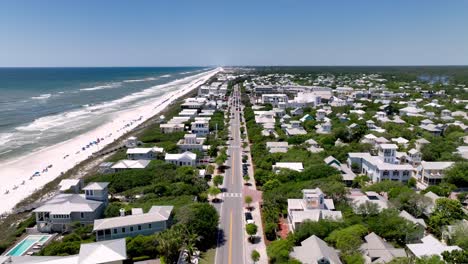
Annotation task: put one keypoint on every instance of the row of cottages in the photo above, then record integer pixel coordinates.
(374, 250)
(312, 207)
(58, 214)
(104, 252)
(157, 219)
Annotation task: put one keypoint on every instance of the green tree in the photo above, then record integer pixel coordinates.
(360, 181)
(169, 243)
(355, 258)
(255, 256)
(214, 192)
(278, 250)
(248, 200)
(141, 246)
(348, 239)
(218, 180)
(251, 230)
(367, 209)
(457, 174)
(429, 260)
(201, 219)
(455, 256)
(445, 212)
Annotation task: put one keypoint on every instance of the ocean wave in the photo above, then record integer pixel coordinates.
(141, 80)
(84, 114)
(100, 87)
(166, 75)
(41, 97)
(5, 138)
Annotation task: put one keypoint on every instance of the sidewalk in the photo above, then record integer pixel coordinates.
(256, 195)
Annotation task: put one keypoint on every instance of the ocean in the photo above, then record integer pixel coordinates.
(40, 107)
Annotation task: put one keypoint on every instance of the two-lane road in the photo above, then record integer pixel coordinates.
(230, 248)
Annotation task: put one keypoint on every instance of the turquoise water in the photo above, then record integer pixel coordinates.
(26, 244)
(40, 107)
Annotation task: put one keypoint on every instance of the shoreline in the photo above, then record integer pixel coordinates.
(19, 171)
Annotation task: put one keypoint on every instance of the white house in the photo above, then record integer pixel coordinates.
(383, 166)
(129, 165)
(430, 246)
(411, 111)
(358, 198)
(294, 128)
(277, 147)
(324, 128)
(104, 252)
(414, 157)
(296, 166)
(314, 250)
(320, 114)
(274, 99)
(191, 142)
(171, 128)
(432, 172)
(313, 206)
(138, 223)
(184, 159)
(144, 153)
(377, 250)
(420, 143)
(59, 213)
(201, 127)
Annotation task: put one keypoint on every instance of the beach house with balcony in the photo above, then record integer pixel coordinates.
(432, 172)
(313, 206)
(157, 219)
(384, 166)
(200, 128)
(57, 214)
(191, 142)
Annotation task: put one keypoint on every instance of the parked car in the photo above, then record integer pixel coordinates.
(249, 218)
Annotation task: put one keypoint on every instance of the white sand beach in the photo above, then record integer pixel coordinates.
(16, 176)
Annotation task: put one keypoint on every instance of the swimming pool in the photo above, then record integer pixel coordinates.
(22, 247)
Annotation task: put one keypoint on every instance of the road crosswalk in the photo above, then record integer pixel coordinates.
(227, 194)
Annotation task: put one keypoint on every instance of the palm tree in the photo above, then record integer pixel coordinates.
(169, 243)
(190, 243)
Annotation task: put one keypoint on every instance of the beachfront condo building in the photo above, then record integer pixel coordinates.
(157, 219)
(58, 214)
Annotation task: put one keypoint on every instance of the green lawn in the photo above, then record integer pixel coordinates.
(208, 257)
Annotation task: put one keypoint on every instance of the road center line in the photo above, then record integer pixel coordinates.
(230, 239)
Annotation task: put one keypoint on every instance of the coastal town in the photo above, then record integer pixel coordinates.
(268, 165)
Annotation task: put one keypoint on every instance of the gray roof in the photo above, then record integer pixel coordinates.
(155, 214)
(412, 219)
(313, 249)
(379, 250)
(103, 252)
(68, 203)
(131, 164)
(96, 186)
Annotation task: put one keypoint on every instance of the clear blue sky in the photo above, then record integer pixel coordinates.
(254, 32)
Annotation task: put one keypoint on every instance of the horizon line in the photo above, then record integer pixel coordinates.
(252, 65)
